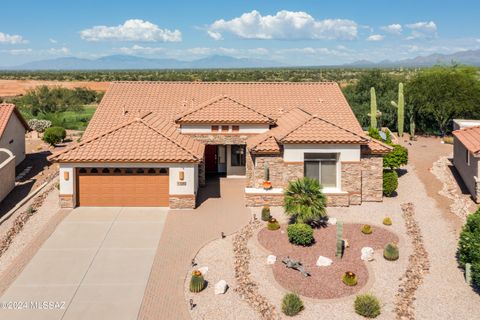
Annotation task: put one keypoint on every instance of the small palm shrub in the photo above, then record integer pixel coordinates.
(54, 135)
(300, 234)
(304, 200)
(197, 282)
(367, 305)
(291, 304)
(469, 246)
(390, 182)
(266, 213)
(273, 224)
(390, 252)
(349, 278)
(387, 221)
(367, 229)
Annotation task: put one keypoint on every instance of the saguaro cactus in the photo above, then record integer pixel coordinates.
(339, 252)
(400, 110)
(373, 108)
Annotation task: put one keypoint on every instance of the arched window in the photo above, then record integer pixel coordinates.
(94, 170)
(128, 171)
(140, 171)
(163, 170)
(117, 170)
(106, 170)
(151, 170)
(83, 170)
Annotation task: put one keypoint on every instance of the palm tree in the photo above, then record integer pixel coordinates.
(304, 200)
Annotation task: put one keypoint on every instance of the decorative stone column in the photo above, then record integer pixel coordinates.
(372, 178)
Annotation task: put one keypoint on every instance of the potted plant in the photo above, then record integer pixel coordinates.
(267, 185)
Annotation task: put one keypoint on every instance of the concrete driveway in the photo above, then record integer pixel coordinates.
(94, 266)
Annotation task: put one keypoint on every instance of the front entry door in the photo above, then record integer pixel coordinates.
(211, 158)
(222, 159)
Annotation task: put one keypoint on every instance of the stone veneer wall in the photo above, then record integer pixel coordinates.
(201, 174)
(182, 201)
(66, 201)
(261, 199)
(219, 138)
(372, 178)
(280, 172)
(351, 172)
(476, 196)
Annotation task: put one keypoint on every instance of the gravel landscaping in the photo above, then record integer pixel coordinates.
(324, 282)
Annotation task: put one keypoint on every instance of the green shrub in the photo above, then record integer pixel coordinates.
(54, 135)
(390, 182)
(367, 229)
(390, 252)
(387, 221)
(300, 234)
(396, 158)
(469, 246)
(266, 213)
(349, 278)
(292, 304)
(367, 305)
(272, 224)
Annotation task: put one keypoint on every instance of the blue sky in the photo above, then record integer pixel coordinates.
(291, 32)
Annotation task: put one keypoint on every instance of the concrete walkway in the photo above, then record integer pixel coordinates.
(186, 231)
(94, 266)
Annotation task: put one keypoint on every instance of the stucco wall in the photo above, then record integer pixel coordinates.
(7, 173)
(14, 131)
(466, 171)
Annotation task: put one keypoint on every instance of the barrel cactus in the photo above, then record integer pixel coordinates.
(387, 221)
(266, 213)
(367, 229)
(349, 278)
(390, 252)
(197, 282)
(273, 224)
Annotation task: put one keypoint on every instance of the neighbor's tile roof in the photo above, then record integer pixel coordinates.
(125, 100)
(376, 147)
(6, 111)
(470, 138)
(143, 139)
(223, 109)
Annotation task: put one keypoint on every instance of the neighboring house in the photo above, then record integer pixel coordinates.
(12, 131)
(12, 146)
(466, 153)
(153, 143)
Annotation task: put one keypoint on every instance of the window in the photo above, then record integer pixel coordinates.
(225, 128)
(214, 128)
(238, 155)
(117, 170)
(467, 156)
(105, 170)
(94, 170)
(235, 128)
(322, 166)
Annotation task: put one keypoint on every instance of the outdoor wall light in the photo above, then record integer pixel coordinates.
(66, 175)
(181, 175)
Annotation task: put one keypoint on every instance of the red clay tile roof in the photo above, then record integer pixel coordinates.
(6, 110)
(470, 138)
(376, 147)
(144, 139)
(223, 109)
(171, 99)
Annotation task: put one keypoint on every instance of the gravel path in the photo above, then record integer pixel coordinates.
(443, 294)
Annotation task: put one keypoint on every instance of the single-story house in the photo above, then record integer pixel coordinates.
(153, 143)
(12, 146)
(466, 154)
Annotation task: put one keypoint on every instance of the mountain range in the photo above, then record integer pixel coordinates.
(127, 62)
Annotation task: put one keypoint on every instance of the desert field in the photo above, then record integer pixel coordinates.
(9, 88)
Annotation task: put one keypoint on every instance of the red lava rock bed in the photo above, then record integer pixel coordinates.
(324, 282)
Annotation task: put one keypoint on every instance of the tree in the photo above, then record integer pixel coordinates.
(304, 200)
(54, 135)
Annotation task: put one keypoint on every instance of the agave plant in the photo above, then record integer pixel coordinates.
(304, 200)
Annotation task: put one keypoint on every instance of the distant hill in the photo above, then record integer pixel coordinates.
(468, 57)
(116, 62)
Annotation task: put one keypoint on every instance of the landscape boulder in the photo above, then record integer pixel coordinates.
(271, 259)
(221, 287)
(367, 254)
(324, 261)
(203, 270)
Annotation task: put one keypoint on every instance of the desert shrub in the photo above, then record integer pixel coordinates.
(387, 221)
(54, 135)
(396, 158)
(272, 224)
(266, 213)
(39, 125)
(300, 234)
(469, 245)
(367, 305)
(390, 182)
(390, 252)
(304, 200)
(367, 229)
(349, 278)
(292, 304)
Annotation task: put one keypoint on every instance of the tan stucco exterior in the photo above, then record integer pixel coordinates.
(7, 172)
(13, 138)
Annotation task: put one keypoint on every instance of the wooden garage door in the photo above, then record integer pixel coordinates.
(115, 187)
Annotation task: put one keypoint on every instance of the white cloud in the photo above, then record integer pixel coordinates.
(137, 49)
(52, 41)
(376, 37)
(42, 52)
(11, 39)
(16, 52)
(422, 29)
(131, 30)
(58, 51)
(394, 28)
(283, 25)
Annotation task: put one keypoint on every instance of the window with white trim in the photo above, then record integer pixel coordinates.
(321, 166)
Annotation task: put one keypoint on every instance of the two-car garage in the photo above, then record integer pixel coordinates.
(123, 187)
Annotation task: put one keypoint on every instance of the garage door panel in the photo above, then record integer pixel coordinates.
(122, 190)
